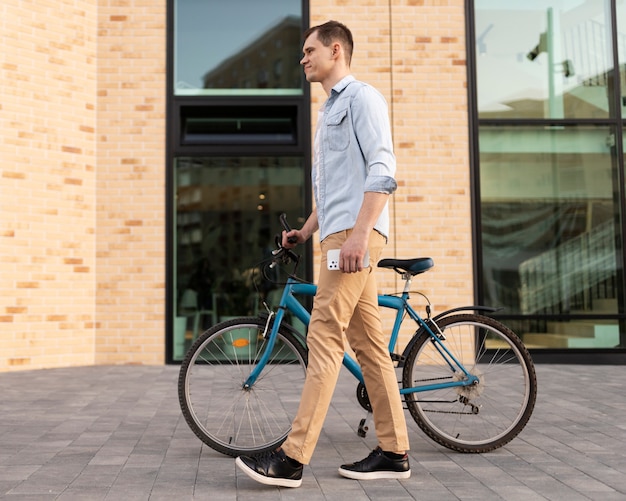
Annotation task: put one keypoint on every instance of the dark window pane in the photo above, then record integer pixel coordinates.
(227, 213)
(551, 240)
(243, 125)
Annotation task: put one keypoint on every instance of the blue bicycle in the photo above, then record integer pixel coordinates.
(467, 380)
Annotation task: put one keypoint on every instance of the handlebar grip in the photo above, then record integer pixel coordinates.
(283, 221)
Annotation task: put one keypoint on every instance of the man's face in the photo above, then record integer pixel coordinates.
(317, 61)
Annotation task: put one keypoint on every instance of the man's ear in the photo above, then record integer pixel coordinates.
(336, 49)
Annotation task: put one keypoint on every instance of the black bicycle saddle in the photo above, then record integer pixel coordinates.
(413, 266)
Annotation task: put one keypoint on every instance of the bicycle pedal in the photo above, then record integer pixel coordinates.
(362, 429)
(397, 358)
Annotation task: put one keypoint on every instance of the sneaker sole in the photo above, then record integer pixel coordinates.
(280, 482)
(374, 475)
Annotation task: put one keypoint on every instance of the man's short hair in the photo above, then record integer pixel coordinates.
(332, 31)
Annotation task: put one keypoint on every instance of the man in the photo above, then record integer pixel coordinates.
(353, 169)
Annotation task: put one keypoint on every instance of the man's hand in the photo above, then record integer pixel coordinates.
(352, 254)
(293, 235)
(303, 234)
(354, 248)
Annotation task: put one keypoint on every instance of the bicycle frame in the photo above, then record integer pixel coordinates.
(289, 302)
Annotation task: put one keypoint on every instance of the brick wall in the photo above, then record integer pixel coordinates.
(130, 288)
(82, 178)
(47, 183)
(82, 182)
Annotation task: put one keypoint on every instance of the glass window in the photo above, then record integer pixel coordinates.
(226, 215)
(550, 239)
(543, 59)
(219, 51)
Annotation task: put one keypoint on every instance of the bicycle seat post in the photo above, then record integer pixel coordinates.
(406, 276)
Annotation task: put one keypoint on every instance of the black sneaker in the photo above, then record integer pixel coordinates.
(272, 468)
(377, 465)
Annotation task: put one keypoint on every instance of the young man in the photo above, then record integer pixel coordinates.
(353, 176)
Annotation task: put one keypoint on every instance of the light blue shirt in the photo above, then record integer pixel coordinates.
(353, 154)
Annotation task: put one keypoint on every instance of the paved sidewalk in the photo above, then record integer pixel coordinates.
(117, 433)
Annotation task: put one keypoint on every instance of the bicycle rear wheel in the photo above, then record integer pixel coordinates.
(478, 418)
(224, 414)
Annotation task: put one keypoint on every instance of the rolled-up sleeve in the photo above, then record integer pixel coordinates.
(380, 184)
(373, 131)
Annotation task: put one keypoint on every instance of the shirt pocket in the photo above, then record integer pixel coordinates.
(338, 129)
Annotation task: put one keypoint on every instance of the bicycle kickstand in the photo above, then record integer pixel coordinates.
(363, 428)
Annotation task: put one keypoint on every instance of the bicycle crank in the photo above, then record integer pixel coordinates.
(363, 397)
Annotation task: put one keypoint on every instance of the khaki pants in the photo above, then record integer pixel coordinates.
(347, 302)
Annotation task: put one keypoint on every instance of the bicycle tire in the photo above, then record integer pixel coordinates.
(225, 415)
(472, 419)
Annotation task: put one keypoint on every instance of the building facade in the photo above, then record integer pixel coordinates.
(148, 148)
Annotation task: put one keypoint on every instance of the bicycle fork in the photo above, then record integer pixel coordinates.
(271, 340)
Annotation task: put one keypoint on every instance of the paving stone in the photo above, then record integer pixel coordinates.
(116, 432)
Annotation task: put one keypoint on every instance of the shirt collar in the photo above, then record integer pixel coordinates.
(343, 83)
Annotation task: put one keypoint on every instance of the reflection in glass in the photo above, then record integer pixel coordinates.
(550, 238)
(543, 59)
(237, 47)
(227, 213)
(621, 51)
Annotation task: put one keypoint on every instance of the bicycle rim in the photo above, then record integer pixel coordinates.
(477, 418)
(224, 414)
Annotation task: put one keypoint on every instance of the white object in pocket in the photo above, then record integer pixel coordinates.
(332, 259)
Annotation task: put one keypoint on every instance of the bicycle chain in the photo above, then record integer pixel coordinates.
(451, 412)
(475, 409)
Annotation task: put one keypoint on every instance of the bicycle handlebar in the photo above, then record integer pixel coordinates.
(282, 253)
(283, 221)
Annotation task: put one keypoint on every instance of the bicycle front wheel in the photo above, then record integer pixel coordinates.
(476, 418)
(224, 413)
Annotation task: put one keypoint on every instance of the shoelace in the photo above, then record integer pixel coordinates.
(267, 455)
(376, 452)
